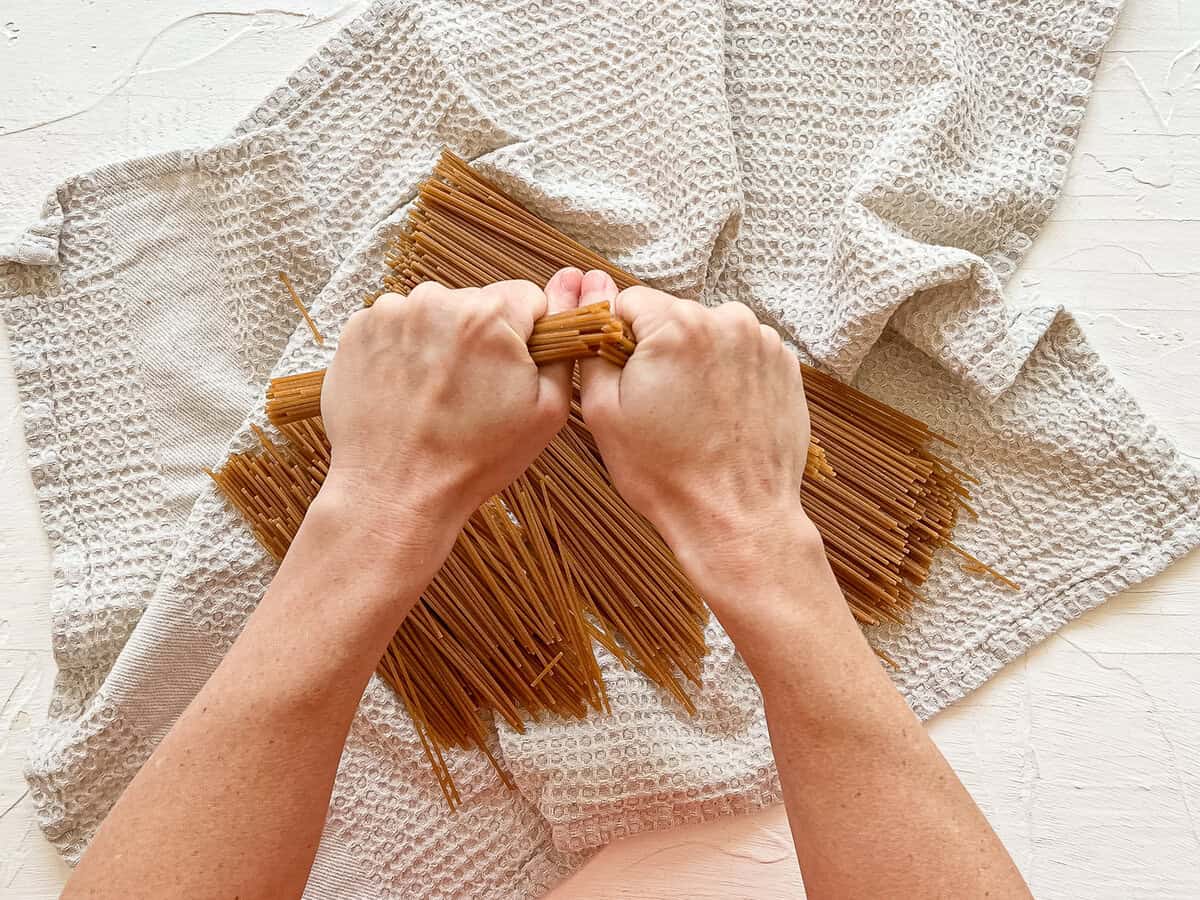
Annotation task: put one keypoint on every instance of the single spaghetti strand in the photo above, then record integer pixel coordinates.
(312, 326)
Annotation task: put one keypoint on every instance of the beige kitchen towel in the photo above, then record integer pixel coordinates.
(865, 176)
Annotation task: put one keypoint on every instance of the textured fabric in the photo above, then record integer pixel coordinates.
(134, 362)
(864, 175)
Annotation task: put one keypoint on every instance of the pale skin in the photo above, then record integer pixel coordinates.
(704, 432)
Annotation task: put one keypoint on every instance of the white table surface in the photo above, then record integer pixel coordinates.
(1085, 754)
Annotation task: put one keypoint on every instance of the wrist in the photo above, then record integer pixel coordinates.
(728, 553)
(753, 574)
(402, 531)
(386, 502)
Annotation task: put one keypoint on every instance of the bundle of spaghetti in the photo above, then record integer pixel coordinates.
(590, 330)
(558, 560)
(464, 231)
(888, 502)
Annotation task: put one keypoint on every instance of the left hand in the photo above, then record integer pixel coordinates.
(433, 404)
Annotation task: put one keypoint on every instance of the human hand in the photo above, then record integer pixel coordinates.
(432, 402)
(705, 432)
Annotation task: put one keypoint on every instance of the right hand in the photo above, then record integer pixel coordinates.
(432, 403)
(705, 432)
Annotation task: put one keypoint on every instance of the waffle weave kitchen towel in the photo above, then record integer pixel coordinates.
(865, 176)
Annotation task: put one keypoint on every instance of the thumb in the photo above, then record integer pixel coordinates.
(554, 380)
(600, 379)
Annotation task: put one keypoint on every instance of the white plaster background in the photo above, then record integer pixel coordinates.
(1085, 754)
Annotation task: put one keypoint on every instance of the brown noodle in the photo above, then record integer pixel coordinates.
(557, 560)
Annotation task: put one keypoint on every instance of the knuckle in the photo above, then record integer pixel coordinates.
(425, 292)
(677, 333)
(740, 316)
(520, 288)
(512, 294)
(550, 412)
(488, 304)
(697, 325)
(477, 318)
(389, 303)
(638, 292)
(691, 317)
(633, 297)
(596, 411)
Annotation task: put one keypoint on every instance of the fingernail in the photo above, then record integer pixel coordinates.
(597, 286)
(563, 289)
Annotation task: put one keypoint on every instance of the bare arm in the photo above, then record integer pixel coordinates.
(431, 405)
(705, 432)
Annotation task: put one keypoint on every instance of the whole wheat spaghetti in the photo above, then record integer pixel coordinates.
(558, 562)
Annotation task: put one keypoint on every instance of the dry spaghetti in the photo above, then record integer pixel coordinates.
(558, 562)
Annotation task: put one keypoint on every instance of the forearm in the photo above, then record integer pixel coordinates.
(233, 801)
(431, 404)
(875, 810)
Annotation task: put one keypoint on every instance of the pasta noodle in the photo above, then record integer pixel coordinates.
(557, 562)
